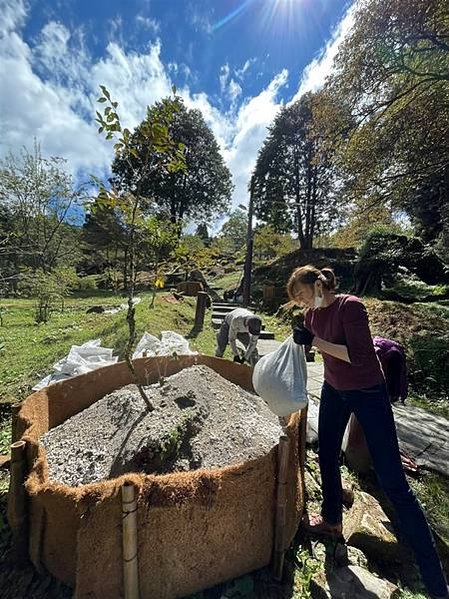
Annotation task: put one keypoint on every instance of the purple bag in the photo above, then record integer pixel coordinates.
(392, 358)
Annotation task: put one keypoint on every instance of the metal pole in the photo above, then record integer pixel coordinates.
(249, 250)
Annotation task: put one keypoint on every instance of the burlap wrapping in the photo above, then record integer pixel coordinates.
(195, 529)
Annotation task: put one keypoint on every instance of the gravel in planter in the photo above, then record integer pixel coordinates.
(200, 420)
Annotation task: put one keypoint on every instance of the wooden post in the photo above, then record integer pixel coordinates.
(201, 303)
(17, 503)
(281, 507)
(129, 540)
(15, 433)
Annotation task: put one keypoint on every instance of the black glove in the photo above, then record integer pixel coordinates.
(302, 336)
(239, 359)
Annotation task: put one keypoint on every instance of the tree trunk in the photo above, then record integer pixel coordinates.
(125, 270)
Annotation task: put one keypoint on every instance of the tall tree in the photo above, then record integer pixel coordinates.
(200, 192)
(234, 230)
(392, 73)
(203, 233)
(293, 181)
(162, 152)
(42, 199)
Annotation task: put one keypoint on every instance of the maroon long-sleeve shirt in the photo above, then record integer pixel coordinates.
(345, 322)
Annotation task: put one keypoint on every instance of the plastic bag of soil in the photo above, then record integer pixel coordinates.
(280, 378)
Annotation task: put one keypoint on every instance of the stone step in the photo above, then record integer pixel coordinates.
(231, 305)
(224, 307)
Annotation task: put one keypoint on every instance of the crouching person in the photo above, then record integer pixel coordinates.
(245, 326)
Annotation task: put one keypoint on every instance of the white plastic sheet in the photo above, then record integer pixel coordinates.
(80, 359)
(90, 355)
(122, 307)
(280, 378)
(169, 343)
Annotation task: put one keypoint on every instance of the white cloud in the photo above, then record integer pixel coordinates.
(235, 90)
(224, 77)
(240, 73)
(316, 72)
(148, 23)
(13, 14)
(49, 90)
(200, 17)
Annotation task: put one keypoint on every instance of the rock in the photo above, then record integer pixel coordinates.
(95, 310)
(351, 582)
(313, 487)
(349, 556)
(367, 527)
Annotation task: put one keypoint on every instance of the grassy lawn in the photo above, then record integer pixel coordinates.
(30, 350)
(228, 280)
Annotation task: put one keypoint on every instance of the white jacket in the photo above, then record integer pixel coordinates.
(237, 321)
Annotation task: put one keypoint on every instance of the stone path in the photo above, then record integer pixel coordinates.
(423, 435)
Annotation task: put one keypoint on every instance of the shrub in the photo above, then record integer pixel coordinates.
(88, 283)
(429, 363)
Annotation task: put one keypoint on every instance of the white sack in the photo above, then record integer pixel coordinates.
(280, 378)
(79, 360)
(170, 342)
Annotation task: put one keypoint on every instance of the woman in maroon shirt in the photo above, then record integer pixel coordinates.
(338, 326)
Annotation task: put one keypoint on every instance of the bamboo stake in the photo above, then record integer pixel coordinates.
(17, 502)
(281, 507)
(129, 539)
(302, 440)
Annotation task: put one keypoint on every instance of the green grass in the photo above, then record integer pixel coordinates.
(435, 406)
(31, 350)
(433, 492)
(438, 309)
(228, 280)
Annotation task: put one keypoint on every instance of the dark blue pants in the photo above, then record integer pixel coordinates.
(372, 409)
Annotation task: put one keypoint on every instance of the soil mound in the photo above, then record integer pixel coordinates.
(200, 420)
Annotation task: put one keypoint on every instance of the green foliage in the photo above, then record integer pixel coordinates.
(198, 192)
(38, 196)
(192, 253)
(269, 244)
(389, 116)
(430, 354)
(48, 290)
(162, 154)
(5, 436)
(89, 283)
(309, 567)
(203, 233)
(364, 222)
(294, 184)
(233, 232)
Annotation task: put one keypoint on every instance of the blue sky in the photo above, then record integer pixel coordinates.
(237, 61)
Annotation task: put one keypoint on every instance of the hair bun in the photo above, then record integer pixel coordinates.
(330, 277)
